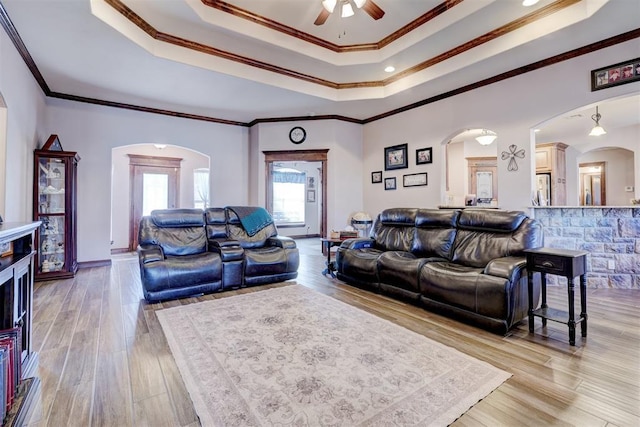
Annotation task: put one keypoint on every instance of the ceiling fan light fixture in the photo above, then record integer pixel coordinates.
(359, 3)
(347, 10)
(486, 137)
(597, 130)
(329, 5)
(529, 2)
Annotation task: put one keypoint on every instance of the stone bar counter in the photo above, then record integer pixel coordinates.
(611, 235)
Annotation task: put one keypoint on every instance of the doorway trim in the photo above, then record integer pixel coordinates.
(271, 157)
(137, 163)
(603, 182)
(483, 164)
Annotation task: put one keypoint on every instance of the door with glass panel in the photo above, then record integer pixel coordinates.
(483, 180)
(154, 185)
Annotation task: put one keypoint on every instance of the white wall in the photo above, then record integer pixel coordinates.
(121, 185)
(618, 170)
(511, 108)
(19, 133)
(457, 173)
(344, 164)
(93, 131)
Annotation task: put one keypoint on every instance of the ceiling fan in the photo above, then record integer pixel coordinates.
(346, 9)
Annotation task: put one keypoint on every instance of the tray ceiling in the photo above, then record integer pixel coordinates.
(242, 60)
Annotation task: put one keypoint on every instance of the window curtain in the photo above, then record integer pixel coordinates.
(290, 177)
(201, 185)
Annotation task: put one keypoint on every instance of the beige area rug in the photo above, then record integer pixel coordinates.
(291, 356)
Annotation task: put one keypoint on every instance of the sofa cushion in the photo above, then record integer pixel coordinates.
(361, 264)
(400, 269)
(216, 220)
(173, 218)
(466, 287)
(490, 220)
(176, 236)
(235, 231)
(435, 233)
(394, 229)
(265, 261)
(182, 271)
(484, 235)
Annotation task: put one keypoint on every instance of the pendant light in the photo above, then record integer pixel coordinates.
(486, 137)
(597, 129)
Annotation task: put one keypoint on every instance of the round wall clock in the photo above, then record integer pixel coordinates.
(297, 135)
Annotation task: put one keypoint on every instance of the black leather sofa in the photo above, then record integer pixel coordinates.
(467, 264)
(185, 252)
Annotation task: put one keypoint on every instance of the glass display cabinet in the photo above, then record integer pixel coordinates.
(54, 204)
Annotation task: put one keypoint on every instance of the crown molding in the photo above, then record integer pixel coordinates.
(156, 34)
(12, 33)
(277, 26)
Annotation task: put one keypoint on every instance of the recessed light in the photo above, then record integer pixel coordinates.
(529, 2)
(390, 69)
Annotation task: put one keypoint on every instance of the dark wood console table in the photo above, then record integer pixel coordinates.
(561, 262)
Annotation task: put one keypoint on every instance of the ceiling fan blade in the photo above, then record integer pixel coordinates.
(322, 17)
(373, 10)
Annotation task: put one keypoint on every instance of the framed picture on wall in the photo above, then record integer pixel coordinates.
(376, 177)
(616, 74)
(414, 179)
(395, 157)
(311, 196)
(424, 156)
(390, 183)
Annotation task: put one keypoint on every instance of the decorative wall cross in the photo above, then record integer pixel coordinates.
(511, 155)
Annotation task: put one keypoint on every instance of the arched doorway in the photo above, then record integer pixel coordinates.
(188, 166)
(470, 172)
(618, 149)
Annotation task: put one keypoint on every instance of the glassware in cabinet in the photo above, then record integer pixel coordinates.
(54, 204)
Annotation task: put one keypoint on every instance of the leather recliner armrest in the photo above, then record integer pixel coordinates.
(229, 250)
(223, 243)
(506, 267)
(359, 243)
(150, 253)
(282, 242)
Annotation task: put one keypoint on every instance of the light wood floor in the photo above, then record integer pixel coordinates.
(104, 360)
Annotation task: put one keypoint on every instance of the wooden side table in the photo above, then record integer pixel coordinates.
(561, 262)
(328, 244)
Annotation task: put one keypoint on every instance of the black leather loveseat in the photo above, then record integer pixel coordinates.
(184, 252)
(467, 264)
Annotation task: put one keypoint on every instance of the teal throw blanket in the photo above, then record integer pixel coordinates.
(252, 218)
